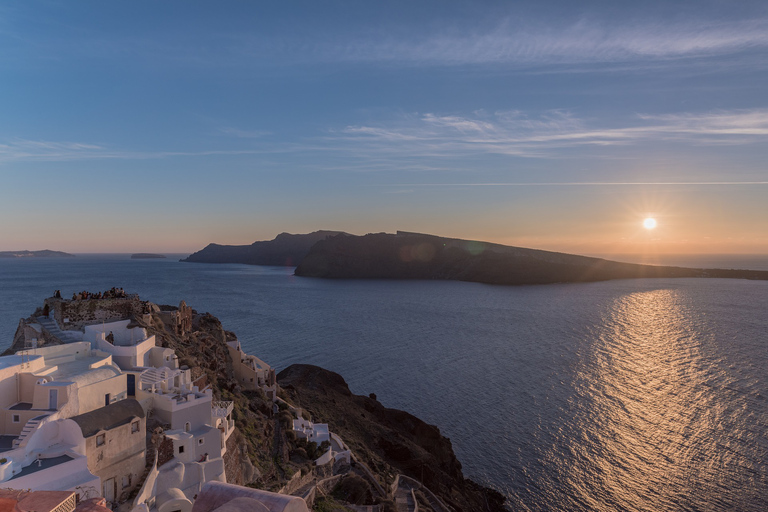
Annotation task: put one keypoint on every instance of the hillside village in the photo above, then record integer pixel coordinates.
(114, 403)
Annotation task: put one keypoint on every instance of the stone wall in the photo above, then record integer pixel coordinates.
(74, 314)
(24, 334)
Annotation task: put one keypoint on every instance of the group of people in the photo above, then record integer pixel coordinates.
(112, 293)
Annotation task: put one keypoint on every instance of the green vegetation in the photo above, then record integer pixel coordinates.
(328, 504)
(353, 489)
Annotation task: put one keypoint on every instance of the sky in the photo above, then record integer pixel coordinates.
(561, 125)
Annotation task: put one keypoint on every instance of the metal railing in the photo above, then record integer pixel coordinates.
(221, 409)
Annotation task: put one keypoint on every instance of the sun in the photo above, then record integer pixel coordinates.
(649, 223)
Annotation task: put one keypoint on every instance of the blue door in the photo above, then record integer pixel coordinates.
(131, 385)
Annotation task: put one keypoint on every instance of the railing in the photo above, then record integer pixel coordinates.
(221, 409)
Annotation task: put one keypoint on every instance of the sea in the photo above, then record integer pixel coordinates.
(629, 395)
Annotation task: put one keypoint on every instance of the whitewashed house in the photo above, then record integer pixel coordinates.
(251, 372)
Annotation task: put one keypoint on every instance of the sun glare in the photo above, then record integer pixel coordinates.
(649, 223)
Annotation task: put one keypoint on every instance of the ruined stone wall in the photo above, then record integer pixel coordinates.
(74, 314)
(24, 334)
(164, 451)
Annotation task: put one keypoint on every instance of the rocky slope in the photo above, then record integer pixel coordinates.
(285, 250)
(389, 441)
(417, 256)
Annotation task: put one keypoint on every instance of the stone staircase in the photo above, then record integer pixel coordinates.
(28, 429)
(53, 328)
(405, 501)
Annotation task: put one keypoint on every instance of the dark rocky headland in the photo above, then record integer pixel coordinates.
(418, 256)
(286, 250)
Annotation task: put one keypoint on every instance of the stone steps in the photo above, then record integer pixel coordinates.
(28, 429)
(53, 328)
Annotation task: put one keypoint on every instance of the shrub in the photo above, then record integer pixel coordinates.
(387, 506)
(353, 489)
(312, 450)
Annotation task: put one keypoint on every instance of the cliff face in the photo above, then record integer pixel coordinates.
(285, 250)
(416, 256)
(389, 441)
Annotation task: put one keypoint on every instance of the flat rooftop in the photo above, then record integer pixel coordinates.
(15, 360)
(65, 371)
(42, 464)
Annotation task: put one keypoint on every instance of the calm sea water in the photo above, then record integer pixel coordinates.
(624, 395)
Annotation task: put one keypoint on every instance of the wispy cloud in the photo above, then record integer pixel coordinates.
(518, 134)
(526, 42)
(51, 151)
(428, 141)
(530, 42)
(584, 184)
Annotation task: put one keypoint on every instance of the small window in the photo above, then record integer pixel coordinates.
(134, 427)
(126, 481)
(181, 449)
(187, 427)
(16, 418)
(100, 440)
(201, 441)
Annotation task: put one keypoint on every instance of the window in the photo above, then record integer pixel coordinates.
(126, 481)
(181, 449)
(187, 427)
(134, 427)
(16, 418)
(200, 441)
(100, 440)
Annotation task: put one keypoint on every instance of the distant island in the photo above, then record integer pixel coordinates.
(35, 254)
(146, 256)
(418, 256)
(286, 250)
(406, 255)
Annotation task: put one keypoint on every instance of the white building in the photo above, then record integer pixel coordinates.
(60, 381)
(130, 347)
(198, 428)
(318, 433)
(53, 459)
(251, 372)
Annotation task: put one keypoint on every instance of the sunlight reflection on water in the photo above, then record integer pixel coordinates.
(655, 408)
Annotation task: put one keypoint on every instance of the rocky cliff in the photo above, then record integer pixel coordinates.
(388, 441)
(285, 250)
(418, 256)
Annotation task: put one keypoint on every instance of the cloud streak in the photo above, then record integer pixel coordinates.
(586, 184)
(536, 43)
(428, 140)
(17, 150)
(515, 133)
